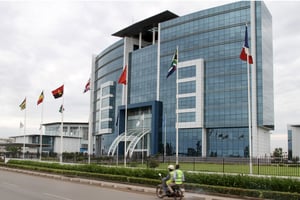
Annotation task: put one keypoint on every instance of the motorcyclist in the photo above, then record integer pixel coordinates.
(178, 176)
(168, 181)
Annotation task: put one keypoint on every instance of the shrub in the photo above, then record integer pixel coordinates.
(153, 163)
(245, 182)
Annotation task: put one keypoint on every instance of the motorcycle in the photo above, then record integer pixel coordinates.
(177, 194)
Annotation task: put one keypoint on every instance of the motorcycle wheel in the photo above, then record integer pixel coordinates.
(178, 195)
(159, 191)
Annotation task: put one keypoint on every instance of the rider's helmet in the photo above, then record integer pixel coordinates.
(171, 167)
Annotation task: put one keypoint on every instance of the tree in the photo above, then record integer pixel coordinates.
(14, 150)
(277, 153)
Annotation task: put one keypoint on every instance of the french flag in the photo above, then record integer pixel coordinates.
(245, 55)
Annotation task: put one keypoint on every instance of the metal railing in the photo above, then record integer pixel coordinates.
(260, 166)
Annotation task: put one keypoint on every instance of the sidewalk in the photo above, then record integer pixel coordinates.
(120, 186)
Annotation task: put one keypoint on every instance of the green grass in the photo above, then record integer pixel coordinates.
(274, 169)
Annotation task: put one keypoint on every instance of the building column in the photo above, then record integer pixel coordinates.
(255, 138)
(140, 40)
(204, 143)
(153, 34)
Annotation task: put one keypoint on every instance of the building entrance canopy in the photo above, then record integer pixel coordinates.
(133, 136)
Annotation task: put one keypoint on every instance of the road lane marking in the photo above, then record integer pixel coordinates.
(9, 184)
(56, 196)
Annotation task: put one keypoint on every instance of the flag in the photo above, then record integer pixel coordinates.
(173, 64)
(58, 92)
(41, 98)
(87, 86)
(23, 104)
(138, 123)
(61, 109)
(245, 54)
(122, 79)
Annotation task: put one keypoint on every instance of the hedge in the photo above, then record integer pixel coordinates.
(241, 185)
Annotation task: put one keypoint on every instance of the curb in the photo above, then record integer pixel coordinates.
(85, 181)
(118, 186)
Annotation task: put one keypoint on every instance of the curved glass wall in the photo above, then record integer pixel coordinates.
(107, 95)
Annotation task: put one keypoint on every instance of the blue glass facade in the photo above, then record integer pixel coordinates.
(264, 51)
(143, 75)
(290, 144)
(215, 35)
(293, 136)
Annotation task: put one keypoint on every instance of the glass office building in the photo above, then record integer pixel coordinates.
(202, 109)
(293, 141)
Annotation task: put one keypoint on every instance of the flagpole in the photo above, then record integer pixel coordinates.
(126, 113)
(249, 109)
(41, 131)
(246, 56)
(24, 132)
(249, 116)
(143, 140)
(125, 64)
(89, 136)
(89, 140)
(176, 126)
(124, 80)
(125, 132)
(165, 138)
(61, 130)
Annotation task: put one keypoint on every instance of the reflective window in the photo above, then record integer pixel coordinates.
(105, 91)
(232, 142)
(187, 87)
(108, 101)
(144, 74)
(187, 117)
(187, 102)
(187, 72)
(105, 102)
(290, 144)
(190, 142)
(74, 131)
(106, 124)
(107, 113)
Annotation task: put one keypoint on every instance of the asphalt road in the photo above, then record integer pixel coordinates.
(17, 186)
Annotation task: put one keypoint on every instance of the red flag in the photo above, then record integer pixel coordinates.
(87, 86)
(58, 92)
(122, 79)
(245, 55)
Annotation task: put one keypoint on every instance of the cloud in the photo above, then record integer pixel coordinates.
(279, 141)
(286, 37)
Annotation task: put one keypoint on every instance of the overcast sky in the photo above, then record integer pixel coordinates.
(46, 44)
